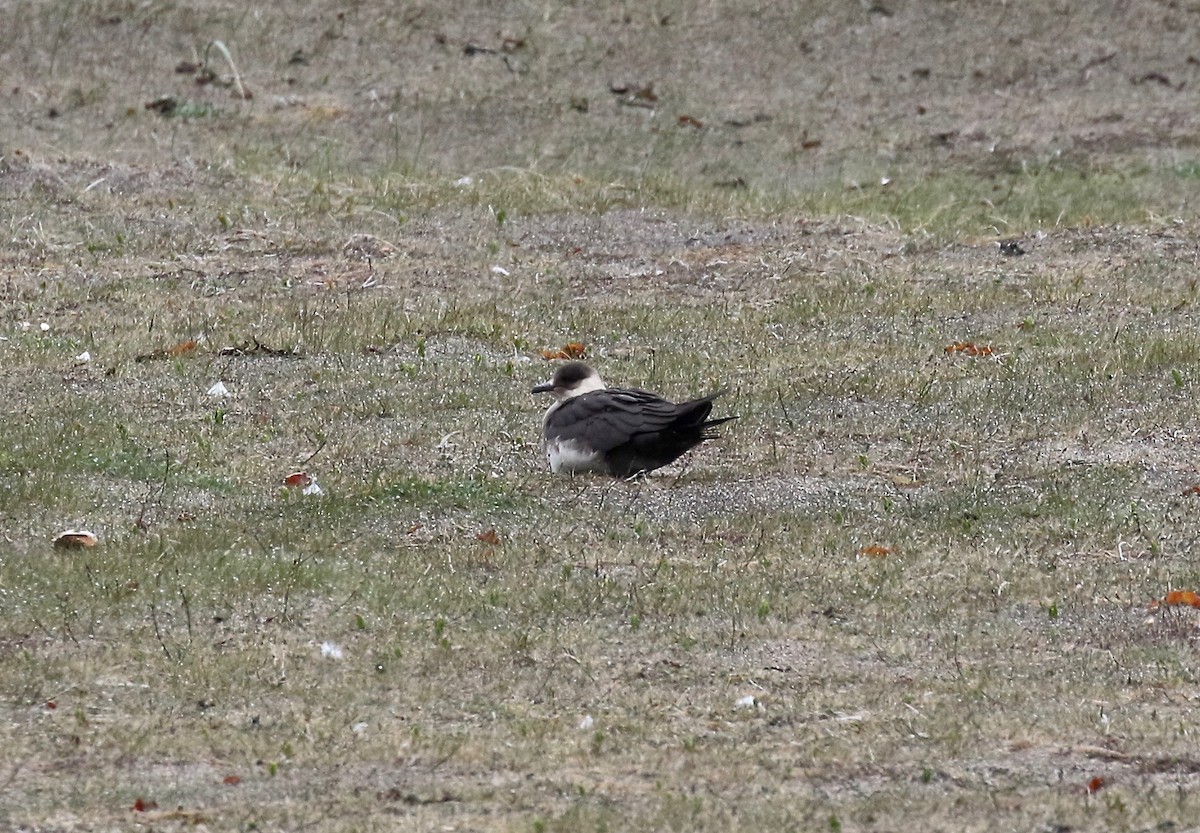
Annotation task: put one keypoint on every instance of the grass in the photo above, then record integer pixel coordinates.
(993, 658)
(908, 587)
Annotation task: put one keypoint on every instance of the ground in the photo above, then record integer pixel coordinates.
(935, 576)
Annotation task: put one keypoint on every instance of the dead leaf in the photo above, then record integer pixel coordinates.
(571, 350)
(689, 121)
(231, 780)
(75, 539)
(142, 805)
(489, 537)
(180, 349)
(968, 348)
(298, 479)
(1095, 785)
(1188, 598)
(876, 551)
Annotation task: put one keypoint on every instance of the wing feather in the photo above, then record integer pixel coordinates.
(614, 417)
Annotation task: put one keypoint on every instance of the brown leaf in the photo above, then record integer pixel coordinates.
(876, 551)
(75, 539)
(489, 537)
(1188, 598)
(571, 350)
(298, 479)
(968, 348)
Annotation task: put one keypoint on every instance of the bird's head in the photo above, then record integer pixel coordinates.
(572, 379)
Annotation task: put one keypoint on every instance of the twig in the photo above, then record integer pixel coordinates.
(158, 633)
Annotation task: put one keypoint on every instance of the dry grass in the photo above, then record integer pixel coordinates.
(908, 588)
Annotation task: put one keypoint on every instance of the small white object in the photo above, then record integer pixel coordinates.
(587, 723)
(45, 328)
(464, 182)
(85, 356)
(331, 650)
(312, 488)
(218, 389)
(499, 270)
(445, 443)
(23, 326)
(359, 728)
(747, 702)
(885, 181)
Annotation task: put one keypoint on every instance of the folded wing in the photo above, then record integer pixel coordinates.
(635, 430)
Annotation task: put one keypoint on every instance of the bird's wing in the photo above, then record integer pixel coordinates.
(607, 419)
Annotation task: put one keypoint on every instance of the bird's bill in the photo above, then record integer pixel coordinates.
(544, 387)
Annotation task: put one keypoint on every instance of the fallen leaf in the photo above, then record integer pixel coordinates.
(1188, 598)
(876, 551)
(1095, 785)
(968, 348)
(75, 539)
(142, 805)
(180, 349)
(570, 350)
(489, 537)
(231, 780)
(689, 121)
(297, 479)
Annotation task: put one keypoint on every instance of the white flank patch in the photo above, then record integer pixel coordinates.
(568, 457)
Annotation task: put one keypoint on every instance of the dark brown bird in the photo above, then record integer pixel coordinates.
(618, 431)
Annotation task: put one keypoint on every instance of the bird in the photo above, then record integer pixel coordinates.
(621, 432)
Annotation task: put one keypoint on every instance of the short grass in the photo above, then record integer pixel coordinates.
(910, 587)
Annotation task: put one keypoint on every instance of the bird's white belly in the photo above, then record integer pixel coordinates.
(570, 457)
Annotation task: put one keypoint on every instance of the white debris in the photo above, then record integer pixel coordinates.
(331, 650)
(45, 328)
(218, 389)
(587, 723)
(499, 270)
(84, 357)
(747, 702)
(464, 182)
(359, 728)
(312, 488)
